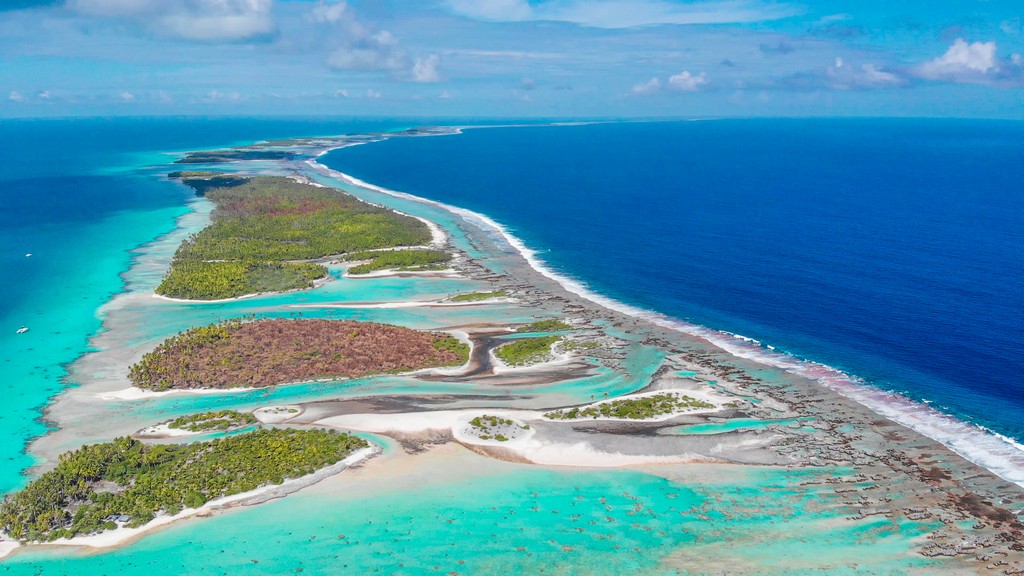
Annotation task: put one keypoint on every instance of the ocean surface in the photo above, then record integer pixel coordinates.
(890, 249)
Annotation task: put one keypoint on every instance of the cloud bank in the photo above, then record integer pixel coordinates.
(202, 20)
(622, 13)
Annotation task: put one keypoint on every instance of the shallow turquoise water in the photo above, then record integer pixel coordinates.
(735, 424)
(507, 519)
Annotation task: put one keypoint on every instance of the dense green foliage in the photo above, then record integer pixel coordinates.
(267, 352)
(455, 346)
(642, 408)
(126, 477)
(551, 325)
(219, 420)
(578, 345)
(218, 156)
(526, 351)
(199, 280)
(402, 260)
(477, 296)
(264, 227)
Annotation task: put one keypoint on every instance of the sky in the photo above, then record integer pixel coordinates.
(513, 58)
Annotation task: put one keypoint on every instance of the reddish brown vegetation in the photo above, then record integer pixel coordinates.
(268, 352)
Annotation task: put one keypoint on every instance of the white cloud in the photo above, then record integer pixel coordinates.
(218, 96)
(126, 96)
(425, 69)
(686, 82)
(492, 9)
(841, 76)
(204, 20)
(15, 97)
(43, 94)
(963, 62)
(371, 93)
(444, 95)
(341, 94)
(329, 12)
(622, 13)
(361, 48)
(649, 87)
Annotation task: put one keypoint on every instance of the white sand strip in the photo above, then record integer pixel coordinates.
(529, 446)
(134, 393)
(448, 272)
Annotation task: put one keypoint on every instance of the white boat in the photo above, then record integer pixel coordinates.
(22, 330)
(29, 255)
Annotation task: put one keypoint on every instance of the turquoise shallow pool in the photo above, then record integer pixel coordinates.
(739, 424)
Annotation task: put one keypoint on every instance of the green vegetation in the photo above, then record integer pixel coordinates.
(477, 296)
(526, 351)
(267, 352)
(206, 421)
(266, 230)
(578, 345)
(94, 485)
(642, 408)
(182, 174)
(218, 156)
(551, 325)
(200, 280)
(455, 346)
(401, 260)
(492, 427)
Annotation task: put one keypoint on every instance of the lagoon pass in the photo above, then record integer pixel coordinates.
(575, 435)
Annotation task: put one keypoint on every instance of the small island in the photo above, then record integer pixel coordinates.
(128, 483)
(488, 427)
(478, 296)
(269, 232)
(267, 352)
(219, 421)
(647, 407)
(233, 155)
(412, 260)
(550, 325)
(527, 351)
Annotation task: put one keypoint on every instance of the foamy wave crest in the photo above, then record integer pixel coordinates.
(1001, 455)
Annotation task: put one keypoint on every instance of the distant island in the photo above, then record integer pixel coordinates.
(266, 352)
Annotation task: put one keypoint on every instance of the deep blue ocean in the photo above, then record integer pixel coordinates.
(890, 249)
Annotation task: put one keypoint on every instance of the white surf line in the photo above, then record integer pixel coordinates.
(999, 454)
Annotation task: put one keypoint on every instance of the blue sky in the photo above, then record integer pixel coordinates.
(513, 58)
